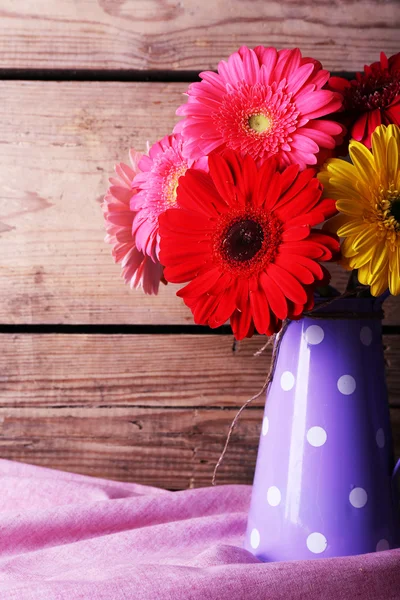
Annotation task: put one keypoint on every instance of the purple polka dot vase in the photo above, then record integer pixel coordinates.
(323, 484)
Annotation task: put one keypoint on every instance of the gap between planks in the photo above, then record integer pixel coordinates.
(114, 75)
(109, 329)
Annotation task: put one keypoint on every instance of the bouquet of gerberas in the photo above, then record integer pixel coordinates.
(243, 203)
(231, 202)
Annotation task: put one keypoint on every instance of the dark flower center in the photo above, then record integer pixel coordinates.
(376, 90)
(243, 240)
(395, 209)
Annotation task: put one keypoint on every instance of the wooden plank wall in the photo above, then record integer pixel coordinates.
(94, 378)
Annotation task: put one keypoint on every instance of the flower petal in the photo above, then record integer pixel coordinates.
(292, 289)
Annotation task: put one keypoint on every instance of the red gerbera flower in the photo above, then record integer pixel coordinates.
(372, 98)
(243, 238)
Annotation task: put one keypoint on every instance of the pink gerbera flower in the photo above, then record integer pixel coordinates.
(262, 102)
(156, 187)
(138, 269)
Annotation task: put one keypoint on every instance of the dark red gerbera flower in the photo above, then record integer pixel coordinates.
(243, 238)
(371, 99)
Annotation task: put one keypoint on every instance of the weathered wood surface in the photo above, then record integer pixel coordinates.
(172, 448)
(147, 408)
(52, 371)
(187, 34)
(58, 146)
(128, 370)
(59, 143)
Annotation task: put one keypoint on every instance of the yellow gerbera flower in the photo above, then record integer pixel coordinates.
(367, 195)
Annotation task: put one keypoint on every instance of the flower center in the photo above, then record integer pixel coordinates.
(260, 123)
(395, 209)
(243, 240)
(171, 187)
(386, 212)
(257, 119)
(376, 90)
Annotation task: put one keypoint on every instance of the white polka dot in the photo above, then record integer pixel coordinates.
(255, 539)
(382, 545)
(314, 334)
(346, 384)
(358, 497)
(287, 381)
(265, 426)
(366, 336)
(316, 436)
(274, 496)
(316, 543)
(380, 438)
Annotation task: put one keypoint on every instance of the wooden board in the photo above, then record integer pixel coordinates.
(58, 146)
(55, 371)
(160, 34)
(175, 449)
(151, 409)
(59, 143)
(147, 408)
(128, 370)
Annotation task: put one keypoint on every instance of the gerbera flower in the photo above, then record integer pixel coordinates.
(243, 238)
(137, 269)
(262, 102)
(372, 98)
(367, 195)
(156, 185)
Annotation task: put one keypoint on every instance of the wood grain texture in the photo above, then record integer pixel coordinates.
(141, 370)
(188, 34)
(151, 409)
(174, 449)
(58, 145)
(170, 448)
(128, 370)
(146, 408)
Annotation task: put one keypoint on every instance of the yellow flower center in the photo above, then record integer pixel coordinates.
(387, 206)
(395, 209)
(260, 123)
(171, 188)
(174, 187)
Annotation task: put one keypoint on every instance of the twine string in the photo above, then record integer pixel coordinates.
(277, 340)
(263, 349)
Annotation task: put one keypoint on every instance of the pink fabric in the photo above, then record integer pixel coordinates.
(64, 537)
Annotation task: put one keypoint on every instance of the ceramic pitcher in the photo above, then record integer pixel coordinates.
(323, 483)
